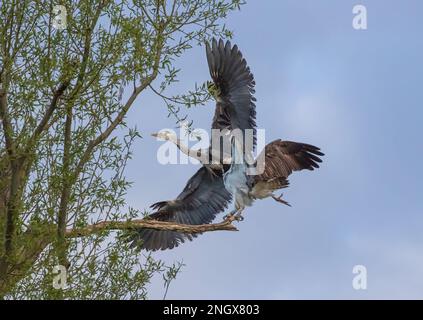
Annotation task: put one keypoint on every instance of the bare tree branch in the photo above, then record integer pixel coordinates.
(225, 225)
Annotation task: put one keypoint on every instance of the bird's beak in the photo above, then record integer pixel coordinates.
(155, 134)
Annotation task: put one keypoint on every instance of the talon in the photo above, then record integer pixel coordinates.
(239, 217)
(279, 199)
(226, 217)
(234, 215)
(229, 215)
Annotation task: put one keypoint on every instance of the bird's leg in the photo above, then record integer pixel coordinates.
(279, 199)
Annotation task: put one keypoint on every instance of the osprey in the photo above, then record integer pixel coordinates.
(210, 190)
(281, 158)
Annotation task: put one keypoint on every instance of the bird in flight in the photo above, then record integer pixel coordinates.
(223, 175)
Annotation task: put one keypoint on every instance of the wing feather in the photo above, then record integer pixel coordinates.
(235, 107)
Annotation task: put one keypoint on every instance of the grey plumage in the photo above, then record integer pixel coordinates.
(210, 190)
(236, 181)
(203, 197)
(235, 103)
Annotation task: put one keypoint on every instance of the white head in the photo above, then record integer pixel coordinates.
(165, 135)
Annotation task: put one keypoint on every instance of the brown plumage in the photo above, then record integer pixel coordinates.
(284, 157)
(281, 159)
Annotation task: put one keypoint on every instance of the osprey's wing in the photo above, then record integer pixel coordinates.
(284, 157)
(203, 197)
(235, 107)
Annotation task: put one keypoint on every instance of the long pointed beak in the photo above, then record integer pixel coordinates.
(155, 134)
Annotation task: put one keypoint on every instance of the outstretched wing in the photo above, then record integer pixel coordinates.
(203, 197)
(284, 157)
(235, 107)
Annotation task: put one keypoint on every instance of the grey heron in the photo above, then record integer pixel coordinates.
(210, 190)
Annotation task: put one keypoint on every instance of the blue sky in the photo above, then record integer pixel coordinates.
(357, 95)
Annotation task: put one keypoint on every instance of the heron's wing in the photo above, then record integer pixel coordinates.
(203, 197)
(284, 157)
(235, 107)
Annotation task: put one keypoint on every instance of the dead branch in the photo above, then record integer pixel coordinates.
(225, 225)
